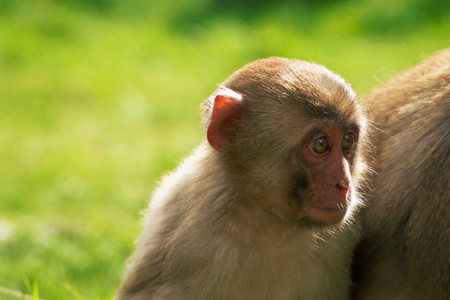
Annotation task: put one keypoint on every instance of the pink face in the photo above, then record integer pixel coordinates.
(328, 153)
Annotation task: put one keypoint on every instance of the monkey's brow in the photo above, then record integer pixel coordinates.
(354, 127)
(321, 124)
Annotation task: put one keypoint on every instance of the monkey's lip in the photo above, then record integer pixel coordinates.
(327, 214)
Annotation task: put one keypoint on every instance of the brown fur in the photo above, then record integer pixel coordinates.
(224, 225)
(405, 251)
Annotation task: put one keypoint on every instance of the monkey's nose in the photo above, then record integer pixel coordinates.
(342, 186)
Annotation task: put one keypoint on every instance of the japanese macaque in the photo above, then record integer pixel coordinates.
(405, 253)
(263, 208)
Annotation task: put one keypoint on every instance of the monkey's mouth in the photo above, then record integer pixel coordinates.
(327, 214)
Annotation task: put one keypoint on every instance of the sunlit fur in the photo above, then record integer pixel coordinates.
(405, 251)
(220, 226)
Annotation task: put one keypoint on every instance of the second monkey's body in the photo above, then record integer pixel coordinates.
(247, 216)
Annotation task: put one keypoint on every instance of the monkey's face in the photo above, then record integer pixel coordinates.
(302, 172)
(322, 191)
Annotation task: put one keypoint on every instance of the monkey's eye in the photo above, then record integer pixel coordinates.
(320, 145)
(347, 141)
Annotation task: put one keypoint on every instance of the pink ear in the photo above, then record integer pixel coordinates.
(225, 118)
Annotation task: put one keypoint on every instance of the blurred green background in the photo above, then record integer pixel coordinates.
(99, 98)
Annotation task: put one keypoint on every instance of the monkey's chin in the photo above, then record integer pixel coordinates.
(326, 215)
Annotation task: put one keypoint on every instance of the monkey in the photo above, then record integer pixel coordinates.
(263, 208)
(404, 252)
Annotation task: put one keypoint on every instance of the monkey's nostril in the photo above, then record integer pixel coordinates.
(343, 184)
(342, 187)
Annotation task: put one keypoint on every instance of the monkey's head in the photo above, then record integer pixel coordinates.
(290, 133)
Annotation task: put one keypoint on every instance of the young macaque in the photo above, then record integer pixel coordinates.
(405, 253)
(263, 208)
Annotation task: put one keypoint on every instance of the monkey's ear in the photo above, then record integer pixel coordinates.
(225, 118)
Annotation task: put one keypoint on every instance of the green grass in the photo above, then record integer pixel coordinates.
(98, 99)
